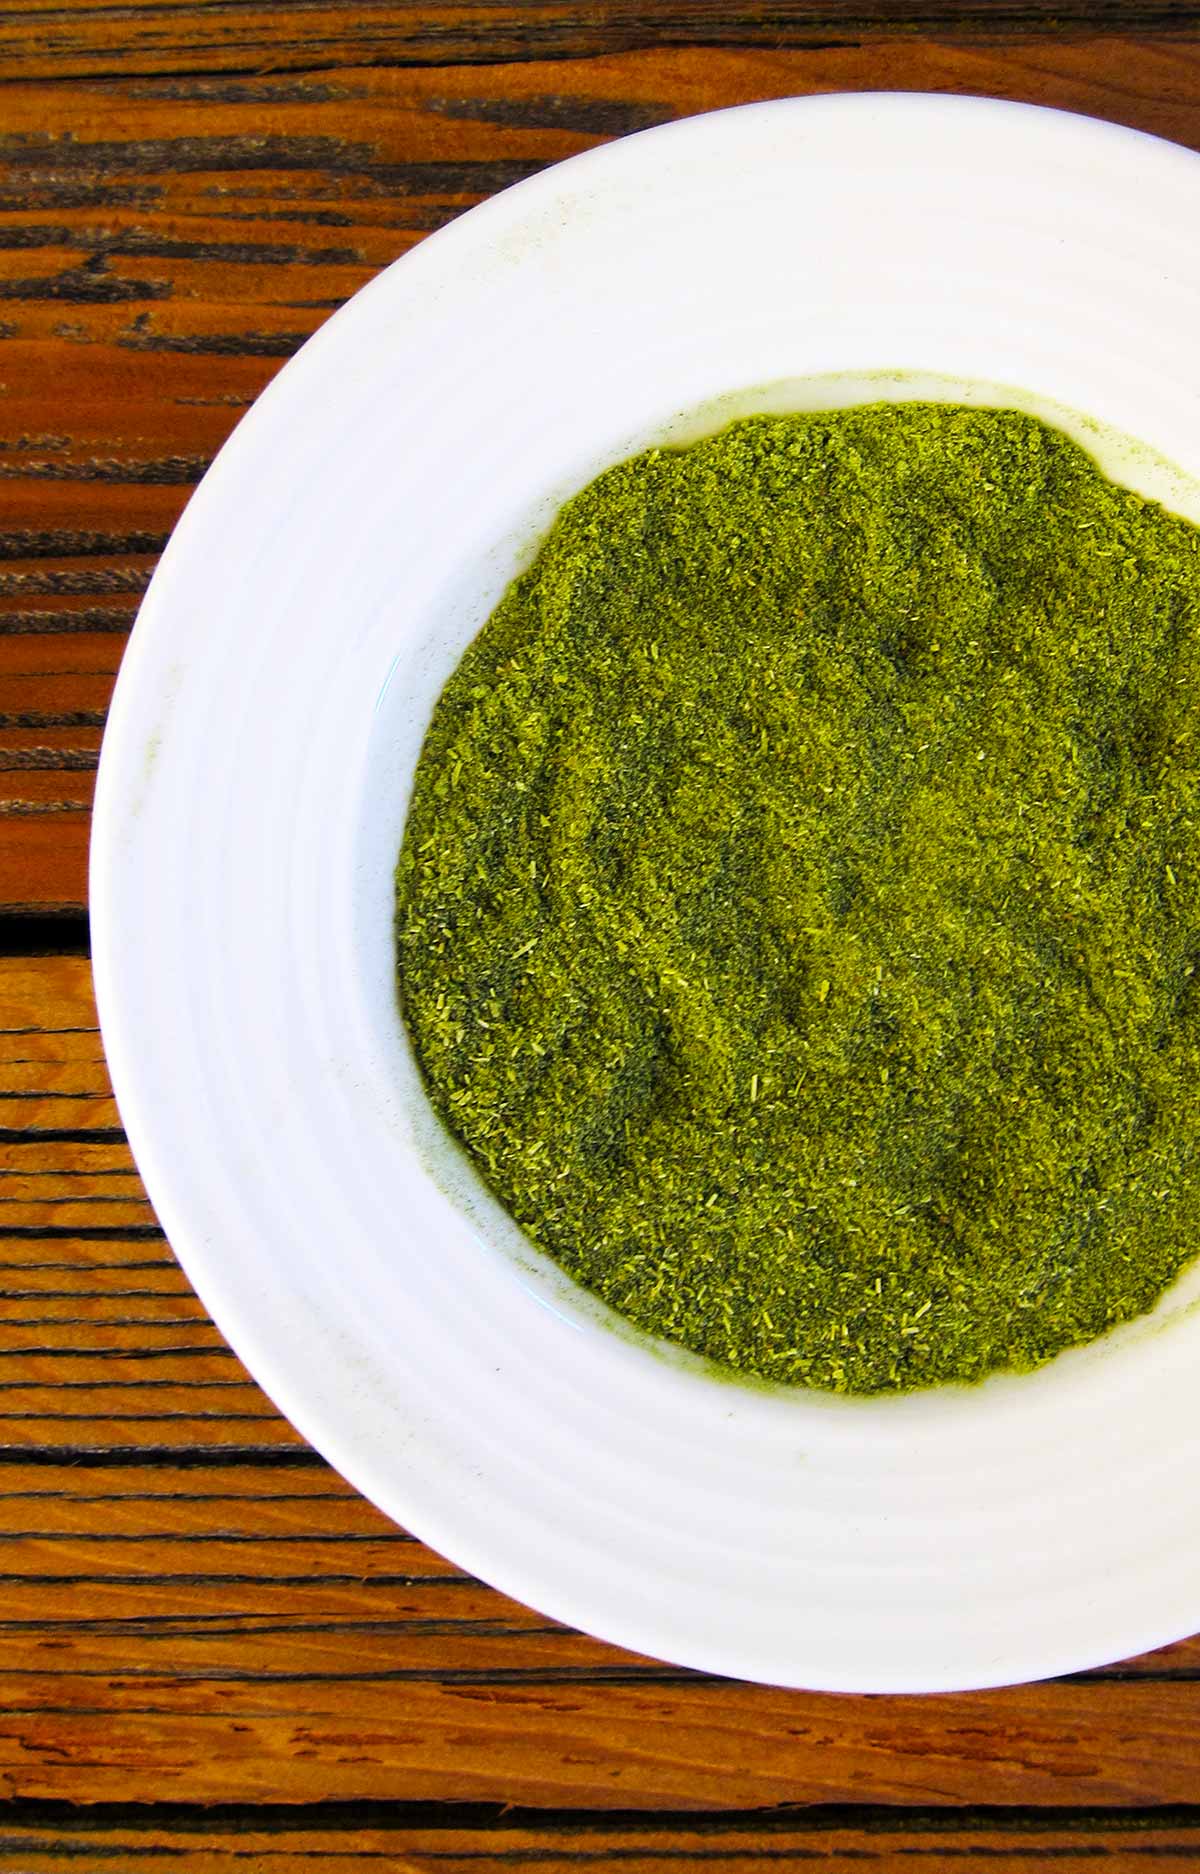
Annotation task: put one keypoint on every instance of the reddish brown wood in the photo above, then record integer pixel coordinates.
(165, 243)
(208, 1843)
(193, 1609)
(250, 1631)
(94, 36)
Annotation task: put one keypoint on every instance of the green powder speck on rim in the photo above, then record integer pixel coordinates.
(798, 916)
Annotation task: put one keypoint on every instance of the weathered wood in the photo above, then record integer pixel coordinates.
(213, 1627)
(96, 37)
(482, 1839)
(191, 1604)
(547, 1742)
(166, 242)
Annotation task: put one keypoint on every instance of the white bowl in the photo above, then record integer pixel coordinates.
(349, 541)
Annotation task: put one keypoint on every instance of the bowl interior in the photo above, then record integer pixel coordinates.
(402, 711)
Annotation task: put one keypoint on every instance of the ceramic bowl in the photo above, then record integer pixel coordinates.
(348, 542)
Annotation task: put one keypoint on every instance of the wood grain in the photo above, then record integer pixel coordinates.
(166, 241)
(476, 1840)
(192, 1606)
(194, 1610)
(94, 37)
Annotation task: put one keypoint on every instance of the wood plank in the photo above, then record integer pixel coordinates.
(47, 996)
(50, 790)
(143, 1737)
(44, 660)
(84, 37)
(59, 1108)
(43, 860)
(478, 1840)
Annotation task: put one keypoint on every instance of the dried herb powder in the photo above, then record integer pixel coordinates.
(797, 915)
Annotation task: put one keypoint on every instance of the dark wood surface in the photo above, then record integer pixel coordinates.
(212, 1653)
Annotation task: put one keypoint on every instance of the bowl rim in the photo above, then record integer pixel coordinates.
(114, 902)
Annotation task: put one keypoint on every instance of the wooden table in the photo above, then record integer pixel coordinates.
(205, 1636)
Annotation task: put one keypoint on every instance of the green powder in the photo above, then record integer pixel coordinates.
(798, 916)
